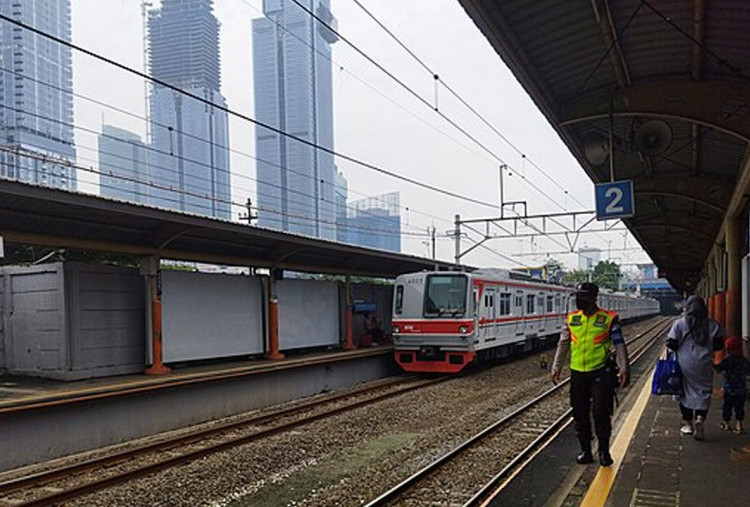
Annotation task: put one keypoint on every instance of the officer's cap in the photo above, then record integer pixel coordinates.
(587, 289)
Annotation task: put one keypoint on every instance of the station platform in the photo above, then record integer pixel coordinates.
(50, 419)
(18, 391)
(662, 466)
(655, 465)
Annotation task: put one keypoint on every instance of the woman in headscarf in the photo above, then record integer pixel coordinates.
(695, 337)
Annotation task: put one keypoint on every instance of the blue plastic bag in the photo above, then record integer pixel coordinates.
(667, 376)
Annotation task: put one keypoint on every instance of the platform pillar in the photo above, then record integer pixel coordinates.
(273, 319)
(733, 315)
(720, 308)
(349, 345)
(151, 266)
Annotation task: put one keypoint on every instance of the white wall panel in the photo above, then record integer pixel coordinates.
(208, 316)
(308, 313)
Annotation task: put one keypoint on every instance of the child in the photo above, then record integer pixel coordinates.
(735, 368)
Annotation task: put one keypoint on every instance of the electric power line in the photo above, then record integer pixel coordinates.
(242, 116)
(422, 100)
(462, 100)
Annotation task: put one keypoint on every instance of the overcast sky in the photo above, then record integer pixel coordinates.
(375, 119)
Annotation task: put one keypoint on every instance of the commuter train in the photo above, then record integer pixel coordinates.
(444, 320)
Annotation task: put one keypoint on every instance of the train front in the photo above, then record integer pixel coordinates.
(433, 322)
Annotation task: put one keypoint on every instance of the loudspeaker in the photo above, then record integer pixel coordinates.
(596, 149)
(653, 137)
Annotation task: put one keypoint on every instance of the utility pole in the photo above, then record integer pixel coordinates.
(457, 238)
(249, 216)
(432, 234)
(502, 197)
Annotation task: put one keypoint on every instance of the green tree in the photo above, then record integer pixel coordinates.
(28, 254)
(607, 274)
(575, 276)
(555, 270)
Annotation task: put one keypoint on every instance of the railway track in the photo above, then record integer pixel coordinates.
(467, 474)
(79, 479)
(83, 478)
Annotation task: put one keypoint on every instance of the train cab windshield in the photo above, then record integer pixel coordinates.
(445, 296)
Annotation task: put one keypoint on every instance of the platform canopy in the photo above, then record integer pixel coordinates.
(668, 79)
(36, 215)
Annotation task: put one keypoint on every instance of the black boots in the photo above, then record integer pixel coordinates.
(585, 457)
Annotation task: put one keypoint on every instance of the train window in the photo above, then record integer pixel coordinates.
(549, 304)
(540, 304)
(399, 298)
(445, 295)
(519, 301)
(505, 304)
(529, 304)
(557, 303)
(489, 300)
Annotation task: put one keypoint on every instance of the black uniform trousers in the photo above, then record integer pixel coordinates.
(589, 392)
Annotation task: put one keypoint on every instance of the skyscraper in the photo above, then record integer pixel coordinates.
(293, 93)
(376, 222)
(122, 162)
(36, 102)
(190, 139)
(341, 195)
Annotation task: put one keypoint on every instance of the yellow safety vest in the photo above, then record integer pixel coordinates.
(590, 339)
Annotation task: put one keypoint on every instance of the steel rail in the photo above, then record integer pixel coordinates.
(406, 484)
(46, 477)
(491, 490)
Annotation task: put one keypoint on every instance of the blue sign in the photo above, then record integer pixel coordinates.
(614, 200)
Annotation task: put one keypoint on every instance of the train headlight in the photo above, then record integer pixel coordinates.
(463, 329)
(396, 329)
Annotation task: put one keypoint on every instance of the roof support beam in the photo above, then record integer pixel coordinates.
(721, 105)
(709, 192)
(696, 55)
(696, 70)
(616, 58)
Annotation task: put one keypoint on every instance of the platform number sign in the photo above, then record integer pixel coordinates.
(614, 200)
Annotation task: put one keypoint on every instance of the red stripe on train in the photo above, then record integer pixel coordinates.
(433, 326)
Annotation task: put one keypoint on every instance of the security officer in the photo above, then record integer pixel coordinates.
(590, 333)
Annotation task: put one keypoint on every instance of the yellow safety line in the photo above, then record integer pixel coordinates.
(605, 477)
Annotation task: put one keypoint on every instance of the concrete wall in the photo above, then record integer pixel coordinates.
(208, 316)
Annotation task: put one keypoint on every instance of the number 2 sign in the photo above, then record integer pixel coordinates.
(614, 200)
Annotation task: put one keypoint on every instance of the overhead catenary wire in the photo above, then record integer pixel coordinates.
(474, 111)
(245, 117)
(369, 85)
(192, 189)
(91, 170)
(187, 134)
(461, 99)
(345, 157)
(424, 101)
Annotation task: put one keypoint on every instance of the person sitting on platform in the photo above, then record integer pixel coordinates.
(373, 331)
(736, 369)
